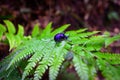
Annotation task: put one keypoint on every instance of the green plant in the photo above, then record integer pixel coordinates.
(14, 38)
(39, 53)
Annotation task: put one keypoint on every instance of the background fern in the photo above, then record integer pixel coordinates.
(33, 55)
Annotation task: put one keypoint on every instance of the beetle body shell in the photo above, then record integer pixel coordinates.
(60, 37)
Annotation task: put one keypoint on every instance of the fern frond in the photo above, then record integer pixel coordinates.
(109, 72)
(10, 26)
(45, 62)
(112, 58)
(35, 31)
(76, 32)
(83, 38)
(92, 72)
(2, 30)
(110, 40)
(80, 67)
(14, 39)
(21, 55)
(25, 50)
(87, 34)
(54, 69)
(81, 30)
(11, 40)
(14, 75)
(95, 43)
(43, 51)
(4, 64)
(43, 65)
(40, 70)
(20, 30)
(60, 29)
(59, 54)
(47, 31)
(81, 35)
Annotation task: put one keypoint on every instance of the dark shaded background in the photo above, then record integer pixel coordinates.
(93, 14)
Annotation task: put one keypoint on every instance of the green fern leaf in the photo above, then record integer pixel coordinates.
(20, 30)
(2, 30)
(40, 70)
(46, 32)
(43, 64)
(43, 51)
(32, 63)
(54, 69)
(25, 51)
(95, 43)
(112, 58)
(14, 40)
(4, 64)
(81, 30)
(80, 67)
(11, 40)
(59, 54)
(108, 70)
(18, 40)
(35, 31)
(73, 33)
(109, 40)
(92, 72)
(60, 30)
(10, 26)
(82, 35)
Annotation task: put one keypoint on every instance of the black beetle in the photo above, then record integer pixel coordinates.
(60, 37)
